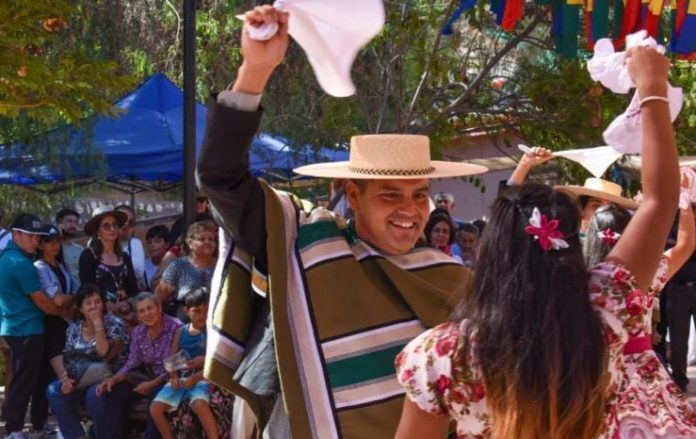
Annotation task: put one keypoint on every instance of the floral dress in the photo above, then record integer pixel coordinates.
(443, 378)
(651, 401)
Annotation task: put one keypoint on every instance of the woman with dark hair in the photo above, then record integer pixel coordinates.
(105, 264)
(536, 349)
(649, 383)
(60, 286)
(189, 272)
(440, 231)
(96, 346)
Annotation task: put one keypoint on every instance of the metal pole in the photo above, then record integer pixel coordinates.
(189, 110)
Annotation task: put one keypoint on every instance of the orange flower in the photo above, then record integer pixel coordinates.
(53, 24)
(23, 71)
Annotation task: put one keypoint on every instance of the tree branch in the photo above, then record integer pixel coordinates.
(426, 69)
(538, 18)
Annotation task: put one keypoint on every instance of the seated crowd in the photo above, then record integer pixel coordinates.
(113, 329)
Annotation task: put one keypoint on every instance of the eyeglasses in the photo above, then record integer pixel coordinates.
(110, 226)
(204, 239)
(201, 199)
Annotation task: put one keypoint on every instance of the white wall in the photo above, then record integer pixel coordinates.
(469, 202)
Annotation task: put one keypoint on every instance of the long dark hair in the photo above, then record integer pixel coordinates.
(98, 248)
(540, 344)
(612, 217)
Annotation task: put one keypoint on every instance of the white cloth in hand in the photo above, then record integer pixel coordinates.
(608, 67)
(331, 32)
(595, 160)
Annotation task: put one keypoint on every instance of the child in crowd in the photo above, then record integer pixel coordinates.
(157, 241)
(190, 385)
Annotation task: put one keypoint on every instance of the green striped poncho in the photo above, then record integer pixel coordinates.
(341, 312)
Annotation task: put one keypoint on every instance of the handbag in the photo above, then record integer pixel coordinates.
(95, 373)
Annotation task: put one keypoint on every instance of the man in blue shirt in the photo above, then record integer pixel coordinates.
(23, 305)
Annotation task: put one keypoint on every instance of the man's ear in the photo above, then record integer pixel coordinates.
(352, 192)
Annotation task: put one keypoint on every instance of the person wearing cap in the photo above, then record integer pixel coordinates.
(333, 300)
(61, 287)
(23, 305)
(68, 222)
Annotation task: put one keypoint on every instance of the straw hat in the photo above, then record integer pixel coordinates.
(99, 213)
(390, 156)
(599, 188)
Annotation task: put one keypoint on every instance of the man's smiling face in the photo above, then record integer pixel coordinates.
(390, 214)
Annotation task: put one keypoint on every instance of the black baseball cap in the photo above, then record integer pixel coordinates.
(28, 223)
(50, 232)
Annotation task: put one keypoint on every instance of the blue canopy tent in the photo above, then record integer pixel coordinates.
(142, 149)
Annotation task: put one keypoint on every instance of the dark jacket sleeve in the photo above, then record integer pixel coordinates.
(223, 174)
(88, 267)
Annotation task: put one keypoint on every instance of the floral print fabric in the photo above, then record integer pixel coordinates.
(650, 400)
(440, 374)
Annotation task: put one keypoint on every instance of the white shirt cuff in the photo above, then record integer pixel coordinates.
(239, 101)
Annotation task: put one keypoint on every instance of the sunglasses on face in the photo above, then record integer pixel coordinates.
(110, 226)
(201, 199)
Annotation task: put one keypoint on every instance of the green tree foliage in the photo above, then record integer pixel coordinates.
(45, 73)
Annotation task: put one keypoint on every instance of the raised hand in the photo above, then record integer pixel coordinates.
(261, 57)
(649, 70)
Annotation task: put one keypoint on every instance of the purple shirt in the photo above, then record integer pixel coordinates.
(150, 353)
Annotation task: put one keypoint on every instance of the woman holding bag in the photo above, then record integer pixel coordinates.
(95, 346)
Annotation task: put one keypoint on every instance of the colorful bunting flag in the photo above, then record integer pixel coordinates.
(630, 22)
(651, 20)
(684, 36)
(629, 16)
(596, 21)
(514, 10)
(566, 24)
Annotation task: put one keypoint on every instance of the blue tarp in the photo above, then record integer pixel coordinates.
(144, 143)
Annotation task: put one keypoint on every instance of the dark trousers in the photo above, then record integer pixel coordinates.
(27, 356)
(111, 411)
(681, 305)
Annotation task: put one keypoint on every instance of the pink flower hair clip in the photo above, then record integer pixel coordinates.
(609, 237)
(545, 231)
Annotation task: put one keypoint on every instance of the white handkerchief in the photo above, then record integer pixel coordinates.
(625, 133)
(331, 32)
(595, 160)
(608, 67)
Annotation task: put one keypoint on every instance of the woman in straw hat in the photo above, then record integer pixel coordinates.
(334, 299)
(536, 351)
(105, 264)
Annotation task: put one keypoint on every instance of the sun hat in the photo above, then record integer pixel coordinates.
(599, 188)
(99, 213)
(29, 224)
(390, 156)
